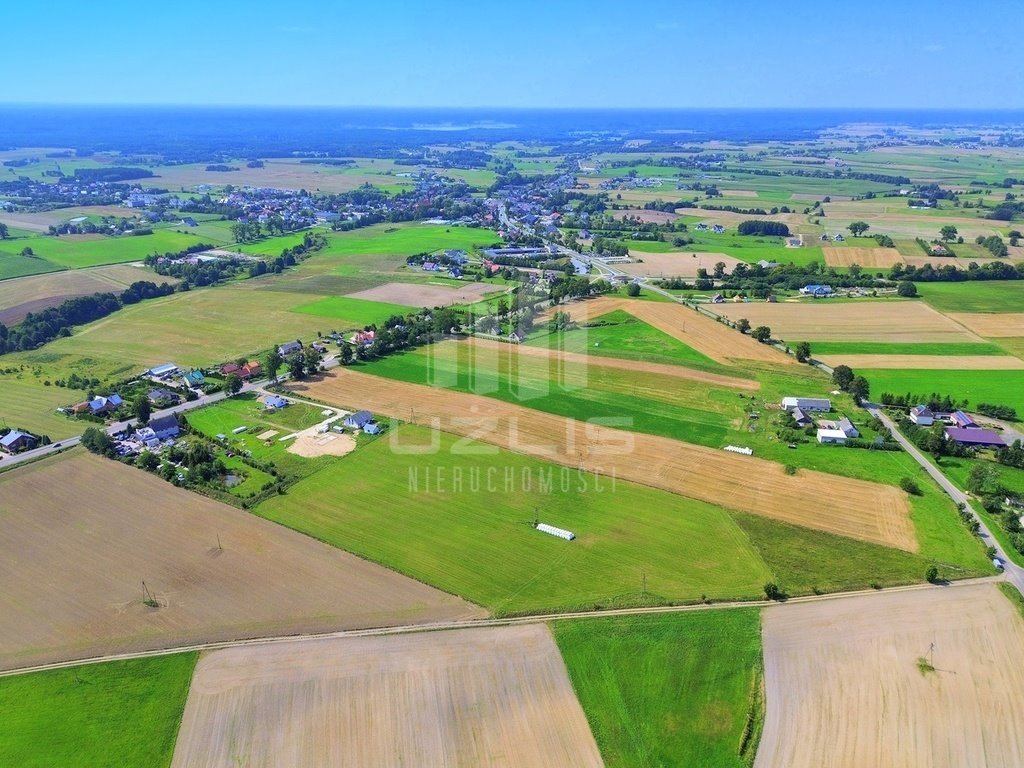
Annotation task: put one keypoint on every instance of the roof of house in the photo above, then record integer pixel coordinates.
(289, 346)
(13, 436)
(799, 415)
(161, 423)
(846, 426)
(921, 410)
(194, 376)
(973, 436)
(162, 369)
(818, 288)
(836, 434)
(359, 418)
(275, 401)
(961, 418)
(807, 402)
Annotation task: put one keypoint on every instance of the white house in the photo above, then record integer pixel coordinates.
(836, 436)
(922, 415)
(807, 403)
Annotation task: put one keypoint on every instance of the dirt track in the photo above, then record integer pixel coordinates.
(472, 697)
(855, 508)
(844, 690)
(825, 320)
(661, 369)
(85, 532)
(711, 338)
(937, 362)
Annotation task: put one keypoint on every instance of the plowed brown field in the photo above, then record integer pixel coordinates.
(854, 508)
(824, 320)
(473, 697)
(992, 326)
(81, 534)
(675, 264)
(714, 339)
(845, 256)
(844, 689)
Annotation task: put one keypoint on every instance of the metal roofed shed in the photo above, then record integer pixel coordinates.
(553, 531)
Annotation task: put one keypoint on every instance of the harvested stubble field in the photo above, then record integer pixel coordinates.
(992, 325)
(844, 688)
(86, 532)
(855, 508)
(937, 362)
(559, 359)
(474, 697)
(872, 258)
(675, 263)
(899, 321)
(22, 295)
(708, 337)
(425, 295)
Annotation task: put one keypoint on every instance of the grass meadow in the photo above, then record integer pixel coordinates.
(950, 349)
(14, 265)
(121, 714)
(974, 296)
(668, 690)
(461, 521)
(1001, 387)
(77, 251)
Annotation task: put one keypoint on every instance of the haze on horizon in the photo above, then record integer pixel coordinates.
(576, 54)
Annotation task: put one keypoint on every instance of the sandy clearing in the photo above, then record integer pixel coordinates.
(854, 508)
(86, 532)
(676, 371)
(474, 697)
(311, 443)
(824, 320)
(844, 690)
(650, 217)
(423, 295)
(675, 263)
(936, 362)
(993, 326)
(711, 338)
(871, 258)
(267, 435)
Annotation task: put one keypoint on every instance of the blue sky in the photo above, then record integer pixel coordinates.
(574, 53)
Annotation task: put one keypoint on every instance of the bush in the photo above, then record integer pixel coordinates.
(790, 469)
(932, 574)
(773, 591)
(910, 485)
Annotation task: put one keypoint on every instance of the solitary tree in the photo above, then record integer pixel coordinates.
(906, 289)
(4, 231)
(633, 289)
(272, 363)
(762, 333)
(858, 228)
(346, 354)
(803, 352)
(233, 384)
(743, 325)
(932, 574)
(842, 375)
(948, 233)
(142, 409)
(859, 388)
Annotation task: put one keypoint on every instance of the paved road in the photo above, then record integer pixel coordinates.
(59, 445)
(1014, 573)
(470, 623)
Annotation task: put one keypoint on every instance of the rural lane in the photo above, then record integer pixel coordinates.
(1014, 573)
(470, 623)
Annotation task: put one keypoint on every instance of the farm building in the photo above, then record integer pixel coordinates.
(962, 420)
(816, 290)
(163, 371)
(274, 401)
(974, 437)
(559, 532)
(801, 418)
(289, 348)
(358, 420)
(834, 436)
(807, 403)
(922, 415)
(16, 441)
(165, 427)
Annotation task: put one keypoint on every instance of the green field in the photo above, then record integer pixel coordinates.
(1000, 387)
(476, 540)
(28, 404)
(347, 313)
(122, 714)
(952, 349)
(14, 265)
(683, 409)
(668, 690)
(621, 335)
(748, 249)
(975, 296)
(77, 251)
